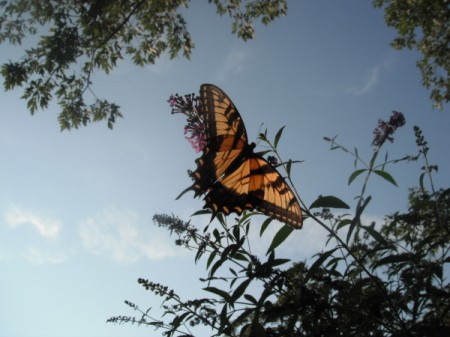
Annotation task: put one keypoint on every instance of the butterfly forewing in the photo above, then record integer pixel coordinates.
(222, 119)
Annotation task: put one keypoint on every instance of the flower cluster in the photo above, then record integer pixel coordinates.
(195, 129)
(385, 130)
(272, 160)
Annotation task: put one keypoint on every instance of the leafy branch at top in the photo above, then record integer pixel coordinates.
(424, 26)
(79, 37)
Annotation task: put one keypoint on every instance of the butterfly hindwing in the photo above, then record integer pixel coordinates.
(233, 177)
(277, 199)
(255, 184)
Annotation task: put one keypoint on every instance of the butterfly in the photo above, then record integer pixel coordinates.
(230, 175)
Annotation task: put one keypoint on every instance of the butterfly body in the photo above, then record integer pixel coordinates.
(230, 174)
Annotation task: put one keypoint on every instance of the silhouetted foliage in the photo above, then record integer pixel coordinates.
(387, 279)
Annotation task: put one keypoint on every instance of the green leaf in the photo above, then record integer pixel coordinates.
(357, 218)
(224, 320)
(200, 252)
(355, 174)
(240, 257)
(277, 137)
(200, 212)
(288, 167)
(377, 236)
(264, 226)
(240, 290)
(211, 258)
(236, 233)
(219, 292)
(422, 176)
(263, 136)
(279, 238)
(391, 259)
(178, 320)
(251, 299)
(216, 235)
(223, 257)
(343, 223)
(253, 329)
(386, 176)
(221, 218)
(242, 318)
(279, 262)
(322, 257)
(329, 201)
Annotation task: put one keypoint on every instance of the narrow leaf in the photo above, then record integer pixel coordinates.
(377, 236)
(288, 167)
(357, 219)
(218, 292)
(354, 175)
(240, 257)
(211, 258)
(322, 257)
(343, 223)
(224, 256)
(264, 226)
(386, 176)
(405, 257)
(251, 299)
(200, 212)
(281, 235)
(242, 318)
(240, 290)
(178, 320)
(421, 181)
(279, 262)
(277, 137)
(329, 201)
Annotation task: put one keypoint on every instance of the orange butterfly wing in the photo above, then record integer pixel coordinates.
(232, 176)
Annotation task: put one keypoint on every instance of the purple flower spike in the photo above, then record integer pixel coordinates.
(385, 130)
(195, 129)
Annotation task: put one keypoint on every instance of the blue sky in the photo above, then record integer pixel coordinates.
(76, 207)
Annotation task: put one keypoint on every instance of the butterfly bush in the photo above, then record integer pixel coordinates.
(190, 105)
(385, 130)
(379, 279)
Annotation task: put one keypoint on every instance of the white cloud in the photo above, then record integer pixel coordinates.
(301, 244)
(371, 79)
(120, 236)
(39, 256)
(234, 63)
(4, 256)
(48, 228)
(162, 64)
